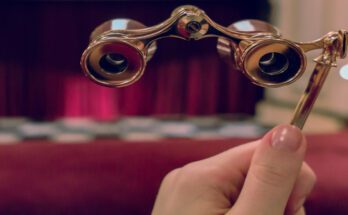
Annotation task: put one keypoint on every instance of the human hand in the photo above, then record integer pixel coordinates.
(264, 177)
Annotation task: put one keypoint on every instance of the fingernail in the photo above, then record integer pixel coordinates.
(287, 137)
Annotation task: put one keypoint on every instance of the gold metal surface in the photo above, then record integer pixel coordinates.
(113, 60)
(333, 46)
(309, 96)
(119, 50)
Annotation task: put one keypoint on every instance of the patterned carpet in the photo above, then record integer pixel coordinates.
(81, 130)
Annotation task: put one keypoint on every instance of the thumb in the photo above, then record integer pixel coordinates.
(273, 171)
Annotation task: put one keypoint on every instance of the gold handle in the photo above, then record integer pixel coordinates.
(310, 95)
(334, 45)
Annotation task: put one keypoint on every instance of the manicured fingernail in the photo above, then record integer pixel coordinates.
(287, 137)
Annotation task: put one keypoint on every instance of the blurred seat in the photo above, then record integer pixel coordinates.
(118, 177)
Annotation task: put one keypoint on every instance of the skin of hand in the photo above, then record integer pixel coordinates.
(264, 177)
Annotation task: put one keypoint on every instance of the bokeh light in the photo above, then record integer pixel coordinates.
(344, 72)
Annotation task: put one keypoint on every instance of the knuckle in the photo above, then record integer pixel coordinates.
(172, 174)
(188, 175)
(170, 177)
(194, 174)
(270, 174)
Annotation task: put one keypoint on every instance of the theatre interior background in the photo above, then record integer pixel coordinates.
(71, 146)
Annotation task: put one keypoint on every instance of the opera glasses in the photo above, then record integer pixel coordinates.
(119, 50)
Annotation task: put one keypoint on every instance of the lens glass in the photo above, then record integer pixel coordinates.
(113, 63)
(273, 63)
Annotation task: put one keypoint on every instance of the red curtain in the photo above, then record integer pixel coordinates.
(40, 75)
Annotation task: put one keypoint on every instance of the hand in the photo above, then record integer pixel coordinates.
(264, 177)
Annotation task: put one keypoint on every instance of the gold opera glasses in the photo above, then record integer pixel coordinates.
(120, 48)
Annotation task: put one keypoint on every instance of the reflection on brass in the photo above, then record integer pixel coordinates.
(119, 50)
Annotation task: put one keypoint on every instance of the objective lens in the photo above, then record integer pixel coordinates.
(273, 63)
(113, 63)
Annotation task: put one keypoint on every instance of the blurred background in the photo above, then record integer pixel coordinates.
(41, 80)
(188, 105)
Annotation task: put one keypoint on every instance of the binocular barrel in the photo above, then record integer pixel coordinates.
(119, 49)
(113, 60)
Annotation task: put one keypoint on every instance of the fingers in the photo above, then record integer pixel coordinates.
(303, 187)
(227, 170)
(274, 168)
(232, 160)
(205, 186)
